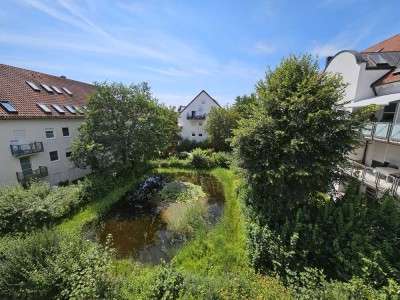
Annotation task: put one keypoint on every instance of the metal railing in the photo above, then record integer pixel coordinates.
(383, 131)
(38, 173)
(25, 149)
(196, 117)
(370, 177)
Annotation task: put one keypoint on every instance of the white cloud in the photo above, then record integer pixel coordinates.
(261, 48)
(326, 50)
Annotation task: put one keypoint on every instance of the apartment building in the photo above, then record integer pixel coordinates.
(39, 116)
(193, 117)
(373, 77)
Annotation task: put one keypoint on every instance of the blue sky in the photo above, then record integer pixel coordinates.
(182, 47)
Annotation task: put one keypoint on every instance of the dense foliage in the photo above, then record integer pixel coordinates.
(294, 142)
(220, 123)
(290, 152)
(47, 265)
(38, 205)
(179, 191)
(124, 128)
(186, 145)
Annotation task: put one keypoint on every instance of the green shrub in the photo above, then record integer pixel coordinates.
(200, 159)
(220, 159)
(178, 191)
(185, 218)
(188, 145)
(38, 205)
(46, 265)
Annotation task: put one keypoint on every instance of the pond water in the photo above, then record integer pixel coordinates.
(136, 224)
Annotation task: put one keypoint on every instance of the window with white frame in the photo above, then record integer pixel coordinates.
(50, 133)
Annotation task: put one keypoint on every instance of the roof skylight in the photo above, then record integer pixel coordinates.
(46, 87)
(70, 109)
(78, 109)
(58, 108)
(33, 86)
(397, 71)
(378, 60)
(44, 108)
(8, 107)
(56, 89)
(67, 91)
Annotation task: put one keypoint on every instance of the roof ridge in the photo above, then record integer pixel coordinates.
(387, 43)
(54, 76)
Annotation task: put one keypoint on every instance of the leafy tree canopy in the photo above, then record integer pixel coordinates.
(291, 147)
(124, 128)
(221, 121)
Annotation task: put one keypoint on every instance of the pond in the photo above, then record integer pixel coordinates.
(137, 225)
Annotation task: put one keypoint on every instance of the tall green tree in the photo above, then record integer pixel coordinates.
(220, 124)
(244, 105)
(297, 138)
(124, 128)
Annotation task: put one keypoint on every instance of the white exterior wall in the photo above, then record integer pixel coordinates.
(59, 170)
(346, 65)
(196, 127)
(358, 78)
(387, 89)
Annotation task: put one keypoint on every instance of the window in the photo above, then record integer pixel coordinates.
(56, 89)
(200, 134)
(46, 87)
(77, 109)
(33, 86)
(58, 108)
(200, 124)
(193, 134)
(68, 152)
(70, 109)
(53, 155)
(388, 112)
(67, 91)
(50, 133)
(44, 108)
(8, 107)
(65, 131)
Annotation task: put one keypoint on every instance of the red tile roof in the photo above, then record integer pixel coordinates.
(387, 78)
(13, 88)
(388, 45)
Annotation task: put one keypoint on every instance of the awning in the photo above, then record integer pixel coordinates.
(379, 100)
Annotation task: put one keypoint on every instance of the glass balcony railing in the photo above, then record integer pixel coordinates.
(368, 131)
(31, 174)
(395, 134)
(382, 130)
(26, 149)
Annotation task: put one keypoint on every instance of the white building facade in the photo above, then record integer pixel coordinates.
(193, 117)
(37, 125)
(373, 77)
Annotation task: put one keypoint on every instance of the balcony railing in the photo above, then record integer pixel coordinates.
(383, 131)
(371, 177)
(196, 117)
(26, 149)
(38, 173)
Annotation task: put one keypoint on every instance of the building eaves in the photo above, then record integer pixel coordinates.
(196, 98)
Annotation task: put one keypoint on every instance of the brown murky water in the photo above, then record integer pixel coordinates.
(138, 229)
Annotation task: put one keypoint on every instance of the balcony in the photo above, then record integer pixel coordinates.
(196, 117)
(383, 131)
(27, 175)
(378, 178)
(26, 149)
